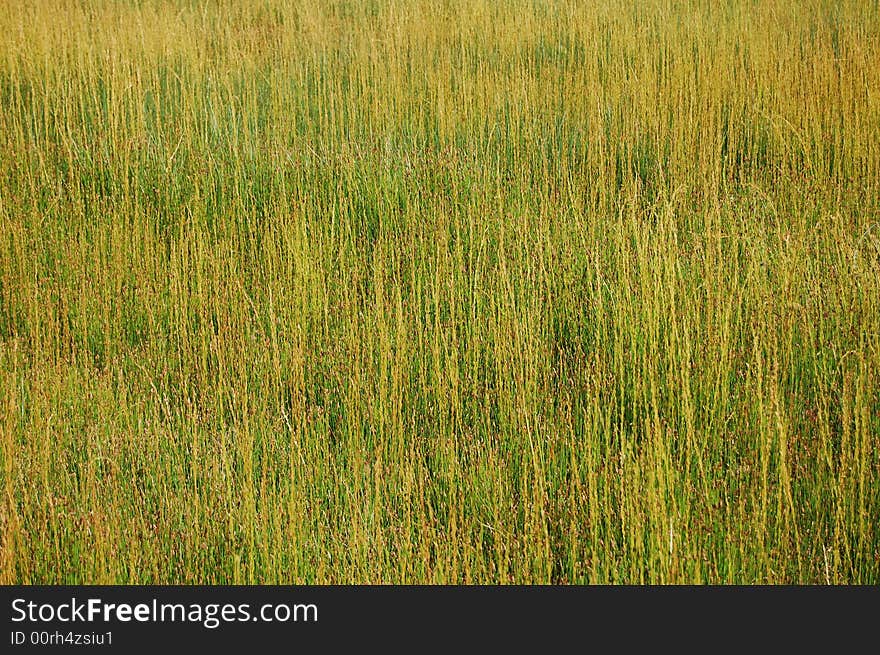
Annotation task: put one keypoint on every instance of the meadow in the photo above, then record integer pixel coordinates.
(439, 291)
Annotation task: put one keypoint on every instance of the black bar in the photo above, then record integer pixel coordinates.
(410, 619)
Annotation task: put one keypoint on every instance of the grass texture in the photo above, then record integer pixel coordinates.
(439, 291)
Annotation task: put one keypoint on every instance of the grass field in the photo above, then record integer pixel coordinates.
(439, 291)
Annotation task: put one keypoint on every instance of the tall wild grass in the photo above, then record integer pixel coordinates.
(446, 291)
